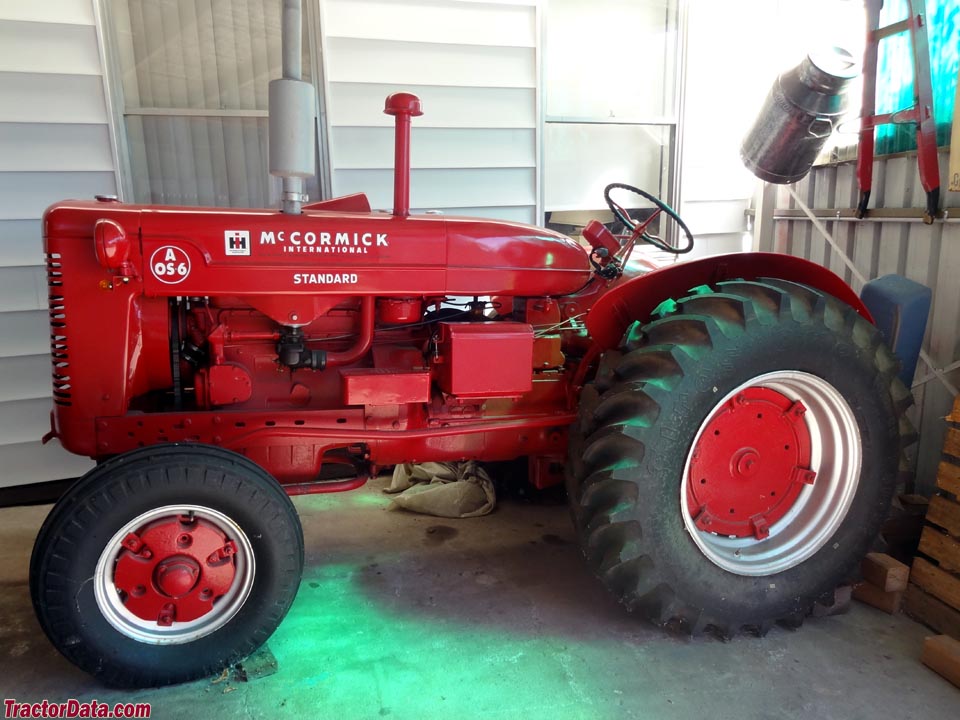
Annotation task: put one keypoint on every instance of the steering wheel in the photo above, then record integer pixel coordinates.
(638, 229)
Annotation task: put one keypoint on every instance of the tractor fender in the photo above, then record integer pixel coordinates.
(635, 298)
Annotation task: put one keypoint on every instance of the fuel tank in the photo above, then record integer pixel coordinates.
(215, 251)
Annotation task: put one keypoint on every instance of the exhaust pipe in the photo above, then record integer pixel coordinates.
(292, 110)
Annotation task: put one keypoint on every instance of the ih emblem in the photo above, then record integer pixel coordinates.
(236, 242)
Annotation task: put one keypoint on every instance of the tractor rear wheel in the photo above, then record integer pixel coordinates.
(740, 457)
(166, 564)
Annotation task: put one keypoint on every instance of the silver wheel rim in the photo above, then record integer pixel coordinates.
(111, 605)
(820, 508)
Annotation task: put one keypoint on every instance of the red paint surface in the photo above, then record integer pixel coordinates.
(749, 464)
(174, 569)
(394, 388)
(632, 298)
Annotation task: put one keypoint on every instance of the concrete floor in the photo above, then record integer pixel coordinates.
(404, 616)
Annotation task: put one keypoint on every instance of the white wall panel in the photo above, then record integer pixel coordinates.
(46, 98)
(29, 147)
(612, 58)
(516, 213)
(28, 194)
(25, 377)
(23, 288)
(444, 188)
(24, 421)
(77, 12)
(24, 333)
(474, 67)
(430, 21)
(31, 462)
(524, 3)
(416, 63)
(20, 243)
(372, 148)
(707, 217)
(717, 244)
(585, 158)
(54, 145)
(45, 47)
(361, 105)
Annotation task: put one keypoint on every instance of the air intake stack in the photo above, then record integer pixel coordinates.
(402, 106)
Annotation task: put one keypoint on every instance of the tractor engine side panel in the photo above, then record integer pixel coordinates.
(109, 343)
(160, 334)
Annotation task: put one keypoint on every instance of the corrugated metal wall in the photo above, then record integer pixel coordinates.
(194, 91)
(928, 254)
(474, 66)
(54, 144)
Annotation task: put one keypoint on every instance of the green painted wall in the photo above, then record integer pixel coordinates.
(895, 72)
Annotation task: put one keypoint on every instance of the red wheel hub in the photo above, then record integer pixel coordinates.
(174, 569)
(750, 464)
(176, 576)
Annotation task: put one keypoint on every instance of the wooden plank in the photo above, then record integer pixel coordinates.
(942, 548)
(870, 594)
(951, 442)
(936, 582)
(884, 572)
(941, 654)
(945, 513)
(955, 415)
(948, 477)
(931, 611)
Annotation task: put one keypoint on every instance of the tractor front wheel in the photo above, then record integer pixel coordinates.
(739, 456)
(166, 564)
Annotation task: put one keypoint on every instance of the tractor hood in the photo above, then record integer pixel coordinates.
(215, 251)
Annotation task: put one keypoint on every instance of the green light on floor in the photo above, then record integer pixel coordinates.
(356, 645)
(341, 500)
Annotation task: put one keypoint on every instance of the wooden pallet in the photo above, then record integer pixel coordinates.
(933, 596)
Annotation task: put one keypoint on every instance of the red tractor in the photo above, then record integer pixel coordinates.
(728, 428)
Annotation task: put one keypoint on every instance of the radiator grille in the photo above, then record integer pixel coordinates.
(59, 347)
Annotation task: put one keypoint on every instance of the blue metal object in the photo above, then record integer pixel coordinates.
(900, 308)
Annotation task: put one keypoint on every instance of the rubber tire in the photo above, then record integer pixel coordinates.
(629, 446)
(76, 531)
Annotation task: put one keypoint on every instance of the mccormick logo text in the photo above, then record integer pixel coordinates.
(310, 242)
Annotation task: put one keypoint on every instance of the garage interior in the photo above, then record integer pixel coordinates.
(530, 109)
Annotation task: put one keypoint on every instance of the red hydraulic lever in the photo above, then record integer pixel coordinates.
(402, 106)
